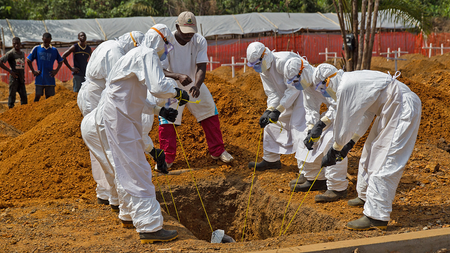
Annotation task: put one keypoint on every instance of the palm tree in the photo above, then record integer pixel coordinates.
(358, 52)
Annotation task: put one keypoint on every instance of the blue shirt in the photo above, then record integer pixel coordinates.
(44, 60)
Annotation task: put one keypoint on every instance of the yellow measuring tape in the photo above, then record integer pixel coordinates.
(303, 200)
(292, 193)
(251, 187)
(192, 175)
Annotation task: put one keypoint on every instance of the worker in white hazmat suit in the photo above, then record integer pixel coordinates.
(299, 74)
(360, 96)
(187, 65)
(93, 133)
(124, 99)
(97, 70)
(283, 101)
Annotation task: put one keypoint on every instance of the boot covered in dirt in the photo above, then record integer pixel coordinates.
(356, 202)
(319, 185)
(158, 236)
(330, 196)
(367, 223)
(265, 165)
(102, 201)
(115, 208)
(127, 224)
(301, 180)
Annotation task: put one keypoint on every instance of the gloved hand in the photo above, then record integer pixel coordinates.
(274, 115)
(343, 153)
(264, 120)
(330, 158)
(169, 114)
(160, 159)
(182, 96)
(314, 134)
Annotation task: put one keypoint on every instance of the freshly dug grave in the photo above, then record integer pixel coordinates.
(48, 194)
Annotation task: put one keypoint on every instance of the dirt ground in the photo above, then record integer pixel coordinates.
(48, 202)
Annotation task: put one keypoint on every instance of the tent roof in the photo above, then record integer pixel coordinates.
(66, 31)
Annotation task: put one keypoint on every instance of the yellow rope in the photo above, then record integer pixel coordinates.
(173, 200)
(159, 186)
(293, 190)
(192, 175)
(303, 200)
(251, 187)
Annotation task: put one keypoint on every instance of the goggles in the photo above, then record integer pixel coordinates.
(167, 46)
(297, 77)
(323, 88)
(257, 62)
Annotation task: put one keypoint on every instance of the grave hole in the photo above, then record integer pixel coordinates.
(226, 203)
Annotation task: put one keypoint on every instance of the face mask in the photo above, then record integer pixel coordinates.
(297, 81)
(258, 67)
(326, 91)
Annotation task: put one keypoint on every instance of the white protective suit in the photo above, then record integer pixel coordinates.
(181, 60)
(100, 64)
(139, 70)
(97, 70)
(360, 96)
(286, 99)
(312, 100)
(93, 133)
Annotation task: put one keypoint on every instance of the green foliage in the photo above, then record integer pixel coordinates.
(72, 9)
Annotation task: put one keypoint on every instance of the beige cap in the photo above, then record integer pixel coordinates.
(187, 22)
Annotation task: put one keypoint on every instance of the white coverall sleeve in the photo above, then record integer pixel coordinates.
(331, 112)
(273, 100)
(157, 83)
(312, 104)
(363, 125)
(149, 107)
(289, 97)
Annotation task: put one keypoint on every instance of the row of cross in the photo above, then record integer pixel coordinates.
(333, 55)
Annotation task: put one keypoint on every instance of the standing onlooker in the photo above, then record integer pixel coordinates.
(16, 60)
(81, 53)
(45, 55)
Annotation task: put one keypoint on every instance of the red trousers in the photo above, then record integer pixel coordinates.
(211, 127)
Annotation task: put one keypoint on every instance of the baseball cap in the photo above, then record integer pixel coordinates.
(187, 22)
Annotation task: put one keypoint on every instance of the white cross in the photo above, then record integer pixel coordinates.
(431, 47)
(233, 64)
(211, 63)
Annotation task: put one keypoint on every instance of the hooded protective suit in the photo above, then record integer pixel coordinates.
(100, 64)
(286, 99)
(97, 70)
(139, 70)
(302, 72)
(360, 96)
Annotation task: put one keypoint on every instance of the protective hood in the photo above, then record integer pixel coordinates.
(144, 63)
(130, 40)
(294, 73)
(259, 57)
(326, 79)
(154, 38)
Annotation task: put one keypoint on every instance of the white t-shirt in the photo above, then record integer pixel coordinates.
(184, 59)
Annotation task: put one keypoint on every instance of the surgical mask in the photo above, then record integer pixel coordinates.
(297, 81)
(259, 65)
(326, 91)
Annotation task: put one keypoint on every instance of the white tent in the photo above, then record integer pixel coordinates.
(66, 31)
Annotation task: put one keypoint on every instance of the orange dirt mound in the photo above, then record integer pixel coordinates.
(50, 160)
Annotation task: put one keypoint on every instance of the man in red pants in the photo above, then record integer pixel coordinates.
(186, 63)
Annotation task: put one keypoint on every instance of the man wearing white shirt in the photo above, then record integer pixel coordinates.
(186, 63)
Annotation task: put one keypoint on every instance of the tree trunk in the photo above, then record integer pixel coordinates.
(374, 26)
(340, 14)
(361, 35)
(355, 33)
(367, 38)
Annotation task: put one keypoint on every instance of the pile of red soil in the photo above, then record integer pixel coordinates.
(49, 160)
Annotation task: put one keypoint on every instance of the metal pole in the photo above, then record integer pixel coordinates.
(210, 63)
(429, 54)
